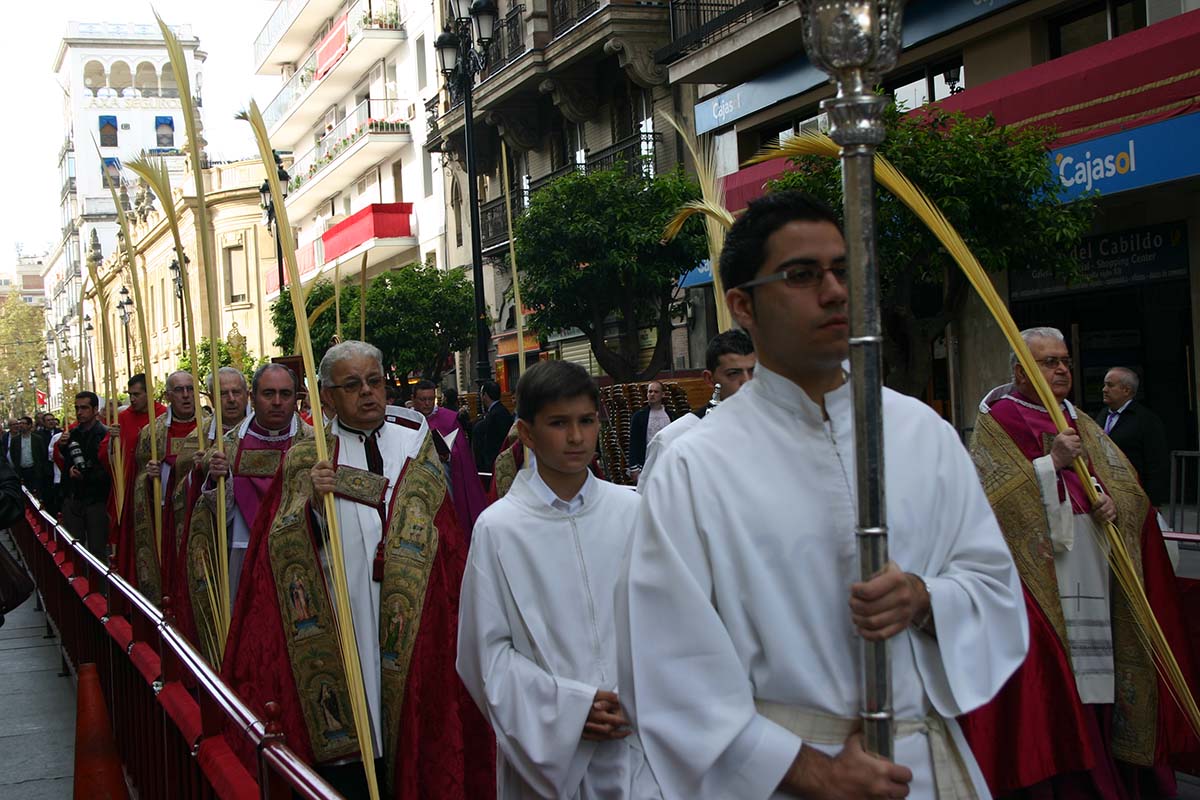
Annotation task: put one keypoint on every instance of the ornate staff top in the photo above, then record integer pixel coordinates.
(854, 41)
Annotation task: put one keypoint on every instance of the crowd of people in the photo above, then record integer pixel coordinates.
(544, 633)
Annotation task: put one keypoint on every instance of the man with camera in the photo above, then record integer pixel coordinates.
(86, 484)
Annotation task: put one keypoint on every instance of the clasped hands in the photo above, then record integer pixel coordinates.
(1066, 448)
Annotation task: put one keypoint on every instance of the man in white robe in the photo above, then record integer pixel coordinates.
(741, 618)
(728, 363)
(352, 385)
(537, 643)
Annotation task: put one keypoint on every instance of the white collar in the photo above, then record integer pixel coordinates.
(547, 496)
(244, 430)
(788, 395)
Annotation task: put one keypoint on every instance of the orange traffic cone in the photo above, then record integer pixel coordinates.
(98, 773)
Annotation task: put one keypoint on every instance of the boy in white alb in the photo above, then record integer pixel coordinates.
(536, 636)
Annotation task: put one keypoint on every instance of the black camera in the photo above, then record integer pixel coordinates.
(75, 451)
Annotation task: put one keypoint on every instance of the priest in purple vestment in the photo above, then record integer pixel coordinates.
(465, 488)
(254, 452)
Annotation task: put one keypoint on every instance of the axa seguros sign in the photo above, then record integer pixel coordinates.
(1155, 153)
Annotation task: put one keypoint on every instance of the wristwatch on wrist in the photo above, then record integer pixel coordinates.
(925, 623)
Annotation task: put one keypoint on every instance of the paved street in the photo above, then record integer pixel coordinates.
(37, 737)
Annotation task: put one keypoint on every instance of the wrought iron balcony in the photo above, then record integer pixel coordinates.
(636, 152)
(508, 41)
(493, 217)
(565, 14)
(696, 24)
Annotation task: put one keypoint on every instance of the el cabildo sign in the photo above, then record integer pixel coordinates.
(1110, 260)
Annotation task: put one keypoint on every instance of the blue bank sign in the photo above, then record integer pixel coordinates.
(1156, 153)
(1109, 260)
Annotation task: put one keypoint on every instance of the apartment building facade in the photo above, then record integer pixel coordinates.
(569, 85)
(363, 191)
(120, 97)
(1116, 78)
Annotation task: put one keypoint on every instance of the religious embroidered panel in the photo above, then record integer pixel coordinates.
(360, 485)
(258, 463)
(410, 547)
(1012, 490)
(506, 472)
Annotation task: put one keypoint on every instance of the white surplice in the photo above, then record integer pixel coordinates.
(738, 588)
(536, 638)
(664, 439)
(362, 529)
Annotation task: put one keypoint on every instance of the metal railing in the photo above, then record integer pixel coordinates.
(177, 725)
(697, 23)
(291, 92)
(280, 20)
(493, 217)
(565, 14)
(508, 41)
(379, 15)
(370, 116)
(636, 152)
(1183, 510)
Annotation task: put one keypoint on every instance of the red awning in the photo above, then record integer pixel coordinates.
(750, 182)
(1141, 77)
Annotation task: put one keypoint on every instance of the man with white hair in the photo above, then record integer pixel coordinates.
(234, 399)
(1086, 710)
(176, 446)
(404, 558)
(1138, 431)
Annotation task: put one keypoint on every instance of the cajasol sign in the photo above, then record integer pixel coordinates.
(1155, 153)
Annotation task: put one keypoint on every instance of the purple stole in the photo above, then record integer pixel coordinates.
(1029, 425)
(248, 490)
(467, 491)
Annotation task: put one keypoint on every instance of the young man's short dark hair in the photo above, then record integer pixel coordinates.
(746, 243)
(450, 395)
(735, 341)
(27, 420)
(550, 381)
(491, 389)
(137, 380)
(92, 398)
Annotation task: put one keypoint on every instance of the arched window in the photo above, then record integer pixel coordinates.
(166, 84)
(94, 78)
(145, 80)
(119, 77)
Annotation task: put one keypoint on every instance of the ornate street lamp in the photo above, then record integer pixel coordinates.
(461, 60)
(269, 211)
(177, 282)
(856, 42)
(125, 310)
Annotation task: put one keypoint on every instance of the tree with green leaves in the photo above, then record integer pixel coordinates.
(994, 184)
(417, 315)
(204, 355)
(22, 347)
(591, 257)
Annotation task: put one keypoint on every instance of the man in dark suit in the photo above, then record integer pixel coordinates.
(29, 453)
(1138, 431)
(644, 424)
(488, 435)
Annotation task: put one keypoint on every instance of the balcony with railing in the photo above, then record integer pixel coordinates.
(697, 24)
(374, 130)
(367, 32)
(381, 231)
(566, 14)
(308, 258)
(508, 41)
(636, 153)
(289, 30)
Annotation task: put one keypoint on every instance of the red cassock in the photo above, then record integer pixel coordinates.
(1037, 732)
(440, 746)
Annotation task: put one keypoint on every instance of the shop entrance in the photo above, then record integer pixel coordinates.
(1147, 328)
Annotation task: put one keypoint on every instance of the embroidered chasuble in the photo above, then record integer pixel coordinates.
(1084, 651)
(176, 441)
(256, 456)
(404, 559)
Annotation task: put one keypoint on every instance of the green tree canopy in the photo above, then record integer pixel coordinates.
(22, 346)
(417, 315)
(590, 253)
(204, 356)
(994, 184)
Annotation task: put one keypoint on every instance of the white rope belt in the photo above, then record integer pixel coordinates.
(949, 772)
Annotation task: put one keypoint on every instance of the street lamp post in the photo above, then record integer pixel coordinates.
(33, 386)
(177, 282)
(269, 211)
(461, 60)
(88, 328)
(123, 308)
(46, 378)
